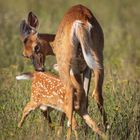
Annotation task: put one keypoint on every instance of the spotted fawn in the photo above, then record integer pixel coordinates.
(48, 91)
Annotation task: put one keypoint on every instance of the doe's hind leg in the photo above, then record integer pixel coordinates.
(97, 94)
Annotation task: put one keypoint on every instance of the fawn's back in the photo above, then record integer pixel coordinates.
(47, 90)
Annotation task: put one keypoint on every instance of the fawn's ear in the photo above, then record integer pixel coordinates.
(24, 29)
(33, 20)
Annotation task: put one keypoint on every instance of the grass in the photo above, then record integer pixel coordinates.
(120, 22)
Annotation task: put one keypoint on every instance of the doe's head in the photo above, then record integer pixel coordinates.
(32, 47)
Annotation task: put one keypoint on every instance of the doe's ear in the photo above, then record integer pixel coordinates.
(33, 20)
(24, 29)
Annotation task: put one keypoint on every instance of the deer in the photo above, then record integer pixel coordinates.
(43, 48)
(47, 90)
(79, 40)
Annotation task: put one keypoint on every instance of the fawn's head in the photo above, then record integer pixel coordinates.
(33, 47)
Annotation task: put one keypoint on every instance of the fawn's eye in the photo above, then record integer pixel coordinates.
(37, 48)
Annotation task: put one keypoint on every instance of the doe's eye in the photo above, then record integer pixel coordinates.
(37, 48)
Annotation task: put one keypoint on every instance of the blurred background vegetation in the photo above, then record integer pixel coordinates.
(120, 22)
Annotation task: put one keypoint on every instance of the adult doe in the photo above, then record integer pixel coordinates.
(79, 34)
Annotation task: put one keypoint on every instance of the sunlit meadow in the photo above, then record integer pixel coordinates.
(120, 21)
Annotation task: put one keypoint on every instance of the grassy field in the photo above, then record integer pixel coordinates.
(120, 22)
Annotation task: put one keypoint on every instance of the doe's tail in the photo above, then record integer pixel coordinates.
(82, 33)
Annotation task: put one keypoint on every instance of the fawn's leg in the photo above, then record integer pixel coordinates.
(74, 127)
(27, 109)
(63, 116)
(61, 129)
(97, 93)
(46, 114)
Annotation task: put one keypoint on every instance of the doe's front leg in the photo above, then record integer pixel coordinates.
(69, 110)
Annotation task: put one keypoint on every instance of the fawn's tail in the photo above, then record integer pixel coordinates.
(25, 76)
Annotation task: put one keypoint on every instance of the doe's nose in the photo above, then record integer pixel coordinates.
(27, 56)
